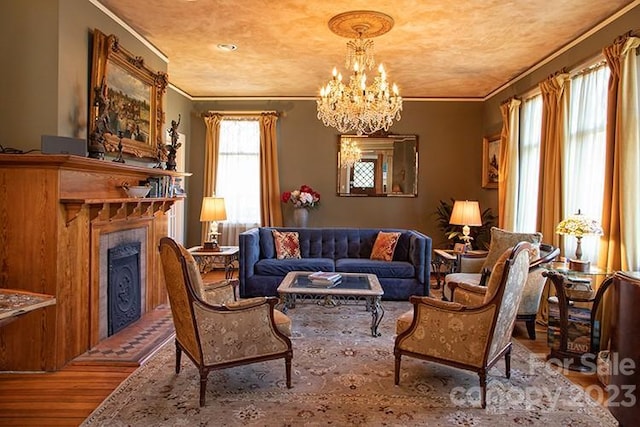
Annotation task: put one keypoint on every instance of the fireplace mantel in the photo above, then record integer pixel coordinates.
(53, 210)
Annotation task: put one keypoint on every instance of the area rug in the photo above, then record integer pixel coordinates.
(343, 376)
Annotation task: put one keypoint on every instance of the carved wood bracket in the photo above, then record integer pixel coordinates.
(107, 210)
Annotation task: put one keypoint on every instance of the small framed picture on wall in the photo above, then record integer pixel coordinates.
(490, 158)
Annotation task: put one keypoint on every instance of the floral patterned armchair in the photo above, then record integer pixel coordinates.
(472, 338)
(473, 272)
(215, 330)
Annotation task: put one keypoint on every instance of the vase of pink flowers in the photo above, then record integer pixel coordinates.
(302, 200)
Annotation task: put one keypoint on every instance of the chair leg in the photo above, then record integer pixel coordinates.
(531, 328)
(287, 363)
(397, 369)
(203, 385)
(178, 357)
(507, 363)
(483, 389)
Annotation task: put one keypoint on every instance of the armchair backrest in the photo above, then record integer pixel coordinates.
(181, 295)
(501, 240)
(504, 289)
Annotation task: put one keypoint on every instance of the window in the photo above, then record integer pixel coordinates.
(238, 176)
(584, 152)
(530, 128)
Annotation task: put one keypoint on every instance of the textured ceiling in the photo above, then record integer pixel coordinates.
(445, 48)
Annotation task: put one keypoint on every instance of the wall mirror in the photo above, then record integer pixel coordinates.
(378, 166)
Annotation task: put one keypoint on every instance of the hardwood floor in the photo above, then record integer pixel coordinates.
(67, 397)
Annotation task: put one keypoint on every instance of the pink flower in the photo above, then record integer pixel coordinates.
(304, 197)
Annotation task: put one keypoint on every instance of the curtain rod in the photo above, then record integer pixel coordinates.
(240, 113)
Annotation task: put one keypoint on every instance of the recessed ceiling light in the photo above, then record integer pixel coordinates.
(226, 47)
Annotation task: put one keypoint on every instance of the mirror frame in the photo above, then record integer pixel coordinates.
(107, 53)
(392, 138)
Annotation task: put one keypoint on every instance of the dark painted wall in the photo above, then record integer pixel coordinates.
(450, 149)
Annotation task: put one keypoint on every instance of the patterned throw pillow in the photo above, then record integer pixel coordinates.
(287, 244)
(501, 240)
(384, 246)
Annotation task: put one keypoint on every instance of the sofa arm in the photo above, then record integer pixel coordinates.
(420, 256)
(249, 253)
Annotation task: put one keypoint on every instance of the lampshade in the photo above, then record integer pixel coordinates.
(213, 209)
(579, 225)
(466, 213)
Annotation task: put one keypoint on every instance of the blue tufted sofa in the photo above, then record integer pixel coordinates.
(335, 249)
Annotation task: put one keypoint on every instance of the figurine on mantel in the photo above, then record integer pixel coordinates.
(101, 126)
(173, 147)
(119, 158)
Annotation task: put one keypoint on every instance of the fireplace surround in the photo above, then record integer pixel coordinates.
(71, 204)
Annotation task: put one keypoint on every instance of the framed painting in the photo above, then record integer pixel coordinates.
(133, 96)
(490, 158)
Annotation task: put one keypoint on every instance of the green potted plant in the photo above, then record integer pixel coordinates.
(481, 235)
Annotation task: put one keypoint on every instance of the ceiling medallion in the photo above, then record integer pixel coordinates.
(357, 106)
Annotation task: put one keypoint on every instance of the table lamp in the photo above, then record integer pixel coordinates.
(466, 213)
(213, 210)
(579, 226)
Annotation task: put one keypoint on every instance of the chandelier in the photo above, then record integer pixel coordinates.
(350, 153)
(358, 106)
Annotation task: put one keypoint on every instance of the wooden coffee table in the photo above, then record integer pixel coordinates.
(354, 287)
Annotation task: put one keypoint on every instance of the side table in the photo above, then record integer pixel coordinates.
(228, 256)
(572, 331)
(14, 303)
(443, 258)
(451, 262)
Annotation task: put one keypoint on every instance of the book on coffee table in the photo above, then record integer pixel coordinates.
(325, 278)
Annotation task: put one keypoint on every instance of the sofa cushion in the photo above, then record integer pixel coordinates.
(280, 267)
(501, 240)
(287, 244)
(397, 269)
(384, 246)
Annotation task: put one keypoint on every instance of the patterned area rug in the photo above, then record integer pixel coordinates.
(344, 376)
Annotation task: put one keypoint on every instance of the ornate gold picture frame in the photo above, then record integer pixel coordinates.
(490, 159)
(134, 94)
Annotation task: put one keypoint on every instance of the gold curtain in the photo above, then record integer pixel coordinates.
(211, 149)
(621, 181)
(509, 172)
(270, 207)
(554, 109)
(621, 170)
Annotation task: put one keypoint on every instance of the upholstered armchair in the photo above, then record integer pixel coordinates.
(215, 330)
(474, 271)
(467, 337)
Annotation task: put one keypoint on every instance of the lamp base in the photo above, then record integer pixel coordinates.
(579, 265)
(211, 246)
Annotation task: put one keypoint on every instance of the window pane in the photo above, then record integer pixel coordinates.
(584, 154)
(238, 179)
(530, 129)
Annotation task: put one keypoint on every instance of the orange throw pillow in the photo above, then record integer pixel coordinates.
(287, 244)
(384, 246)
